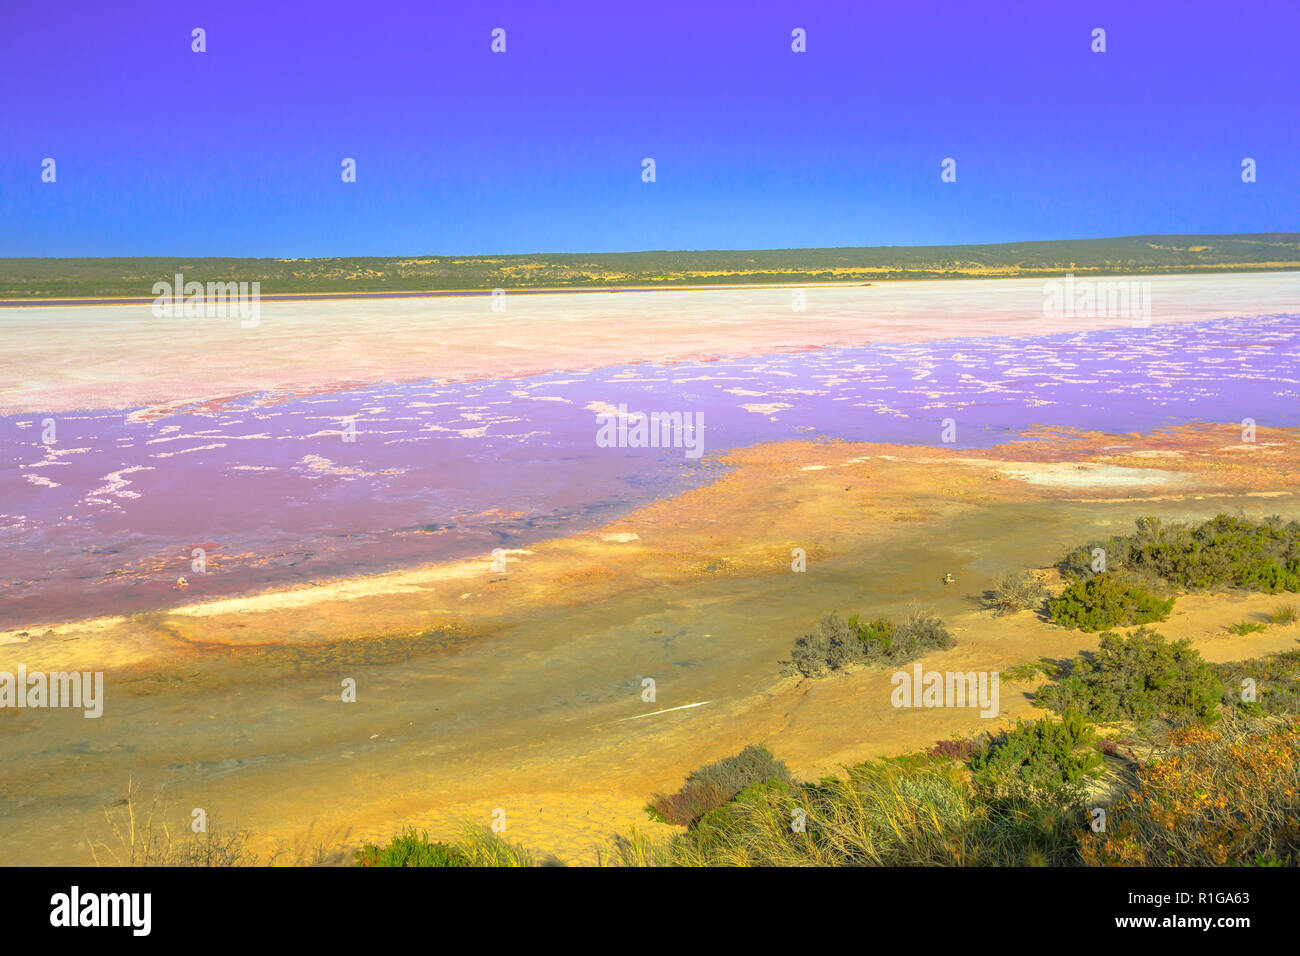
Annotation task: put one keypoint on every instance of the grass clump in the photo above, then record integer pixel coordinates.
(1045, 756)
(1137, 678)
(1022, 591)
(1284, 614)
(838, 643)
(714, 784)
(1032, 670)
(474, 846)
(1242, 628)
(410, 848)
(1102, 601)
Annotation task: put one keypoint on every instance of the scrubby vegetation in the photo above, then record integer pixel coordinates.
(411, 848)
(1222, 796)
(1263, 686)
(1200, 764)
(714, 784)
(1136, 678)
(1032, 670)
(473, 846)
(906, 812)
(1130, 579)
(1046, 756)
(1022, 591)
(838, 643)
(1123, 255)
(1227, 551)
(1222, 793)
(1242, 628)
(1096, 603)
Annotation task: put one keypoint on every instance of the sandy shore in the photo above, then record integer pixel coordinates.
(481, 690)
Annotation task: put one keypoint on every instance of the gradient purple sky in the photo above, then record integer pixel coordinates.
(236, 151)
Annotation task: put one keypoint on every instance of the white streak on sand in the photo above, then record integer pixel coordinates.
(667, 711)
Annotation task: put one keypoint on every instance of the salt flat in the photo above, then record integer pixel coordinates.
(61, 359)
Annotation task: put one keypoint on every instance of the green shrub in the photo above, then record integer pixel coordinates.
(715, 784)
(1032, 670)
(1137, 678)
(1016, 592)
(411, 848)
(1243, 628)
(1022, 673)
(1103, 601)
(1275, 680)
(920, 633)
(1226, 551)
(1042, 756)
(838, 643)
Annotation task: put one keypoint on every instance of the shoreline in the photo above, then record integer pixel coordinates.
(1172, 464)
(520, 291)
(481, 690)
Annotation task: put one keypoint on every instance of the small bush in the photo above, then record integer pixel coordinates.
(1137, 678)
(1275, 682)
(1243, 628)
(838, 643)
(1016, 592)
(1284, 614)
(1032, 670)
(410, 848)
(1043, 756)
(714, 784)
(953, 749)
(920, 633)
(1103, 601)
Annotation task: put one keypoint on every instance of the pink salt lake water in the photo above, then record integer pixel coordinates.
(476, 429)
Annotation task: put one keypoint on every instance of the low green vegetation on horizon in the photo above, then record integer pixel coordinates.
(134, 277)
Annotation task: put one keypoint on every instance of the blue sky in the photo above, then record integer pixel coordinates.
(237, 151)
